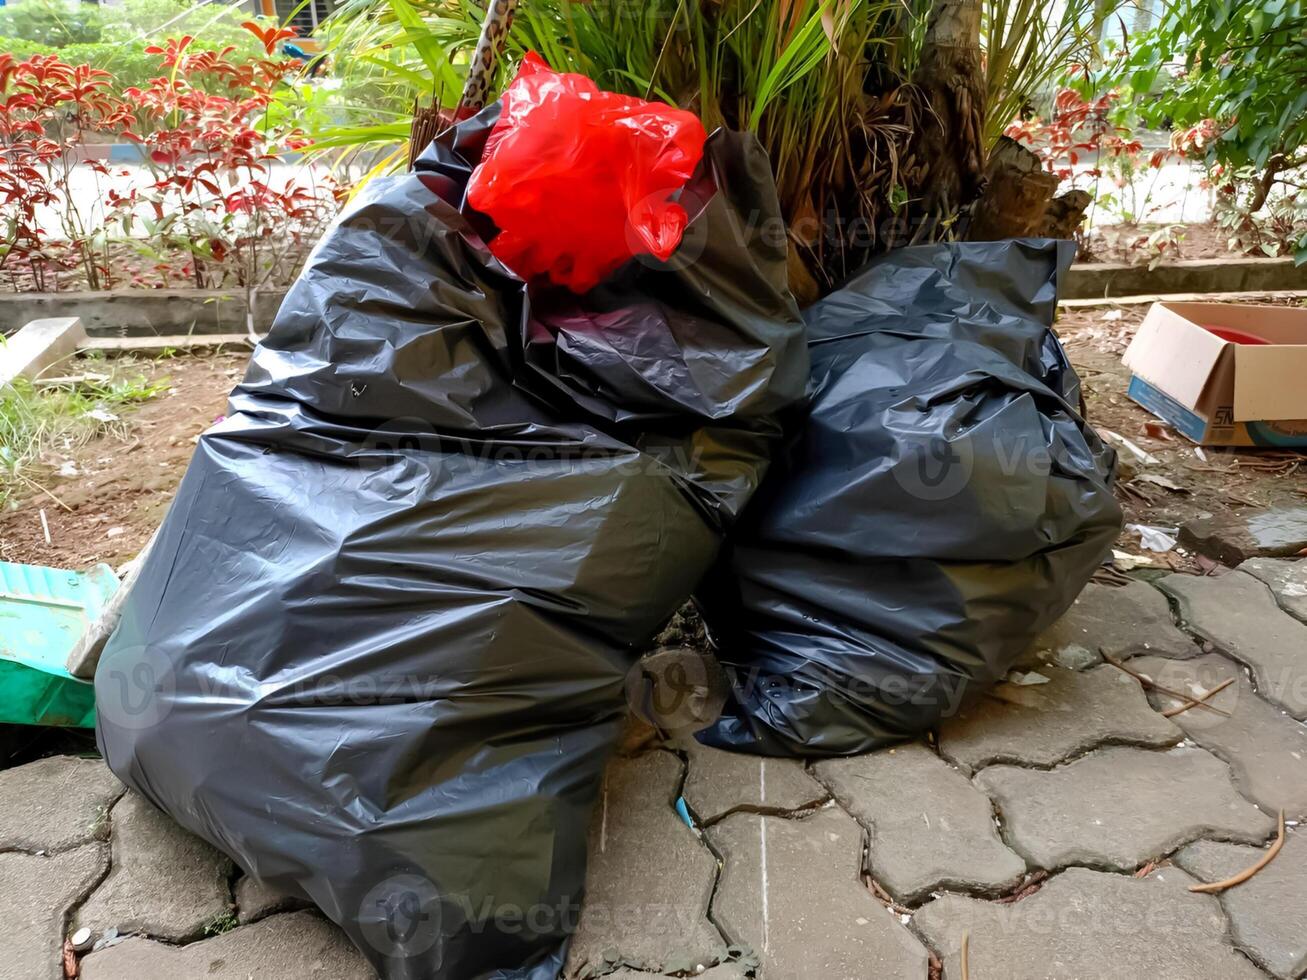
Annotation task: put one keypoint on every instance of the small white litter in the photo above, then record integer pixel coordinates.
(1159, 539)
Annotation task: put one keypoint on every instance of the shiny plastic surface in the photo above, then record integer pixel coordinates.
(580, 180)
(377, 652)
(943, 503)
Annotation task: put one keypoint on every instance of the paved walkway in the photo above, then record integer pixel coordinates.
(1055, 830)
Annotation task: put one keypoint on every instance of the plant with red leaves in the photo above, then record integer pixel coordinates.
(212, 205)
(270, 36)
(1084, 147)
(214, 194)
(47, 110)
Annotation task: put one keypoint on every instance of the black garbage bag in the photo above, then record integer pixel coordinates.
(377, 653)
(942, 504)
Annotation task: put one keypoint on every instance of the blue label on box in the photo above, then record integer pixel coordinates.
(1223, 428)
(1165, 407)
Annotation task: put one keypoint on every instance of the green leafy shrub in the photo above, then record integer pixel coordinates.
(215, 25)
(1234, 74)
(52, 22)
(23, 49)
(129, 64)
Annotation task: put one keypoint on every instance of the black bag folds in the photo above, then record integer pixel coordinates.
(943, 503)
(377, 653)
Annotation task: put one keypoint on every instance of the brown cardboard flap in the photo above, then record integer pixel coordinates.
(1278, 324)
(1270, 383)
(1174, 354)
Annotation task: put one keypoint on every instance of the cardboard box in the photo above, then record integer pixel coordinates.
(1218, 392)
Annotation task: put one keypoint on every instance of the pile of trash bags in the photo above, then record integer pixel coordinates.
(941, 504)
(378, 651)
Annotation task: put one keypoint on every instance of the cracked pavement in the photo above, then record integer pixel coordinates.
(1054, 828)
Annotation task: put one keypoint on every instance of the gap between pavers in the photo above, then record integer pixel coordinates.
(36, 895)
(928, 826)
(791, 891)
(294, 945)
(727, 971)
(1120, 807)
(649, 880)
(1267, 913)
(164, 881)
(1265, 748)
(1085, 923)
(1240, 615)
(1045, 724)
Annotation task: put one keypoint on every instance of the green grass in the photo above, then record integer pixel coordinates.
(37, 420)
(221, 922)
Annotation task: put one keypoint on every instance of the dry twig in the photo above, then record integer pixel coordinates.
(884, 896)
(1197, 699)
(1148, 682)
(1032, 885)
(1213, 887)
(966, 957)
(36, 486)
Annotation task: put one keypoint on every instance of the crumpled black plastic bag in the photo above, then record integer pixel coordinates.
(377, 653)
(942, 504)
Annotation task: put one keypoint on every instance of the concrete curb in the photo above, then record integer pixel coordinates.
(1096, 280)
(144, 312)
(171, 312)
(136, 153)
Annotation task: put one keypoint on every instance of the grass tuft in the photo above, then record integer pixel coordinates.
(42, 419)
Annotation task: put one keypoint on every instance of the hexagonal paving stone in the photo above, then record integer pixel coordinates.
(1268, 912)
(791, 890)
(301, 945)
(1287, 579)
(649, 878)
(1123, 621)
(720, 781)
(1265, 748)
(35, 896)
(1047, 723)
(256, 900)
(56, 803)
(929, 828)
(1085, 924)
(1239, 614)
(1120, 807)
(165, 881)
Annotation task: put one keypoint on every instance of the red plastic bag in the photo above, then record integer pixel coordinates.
(580, 180)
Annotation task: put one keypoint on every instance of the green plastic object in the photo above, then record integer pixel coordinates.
(43, 612)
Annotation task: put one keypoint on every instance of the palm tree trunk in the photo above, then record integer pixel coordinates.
(946, 163)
